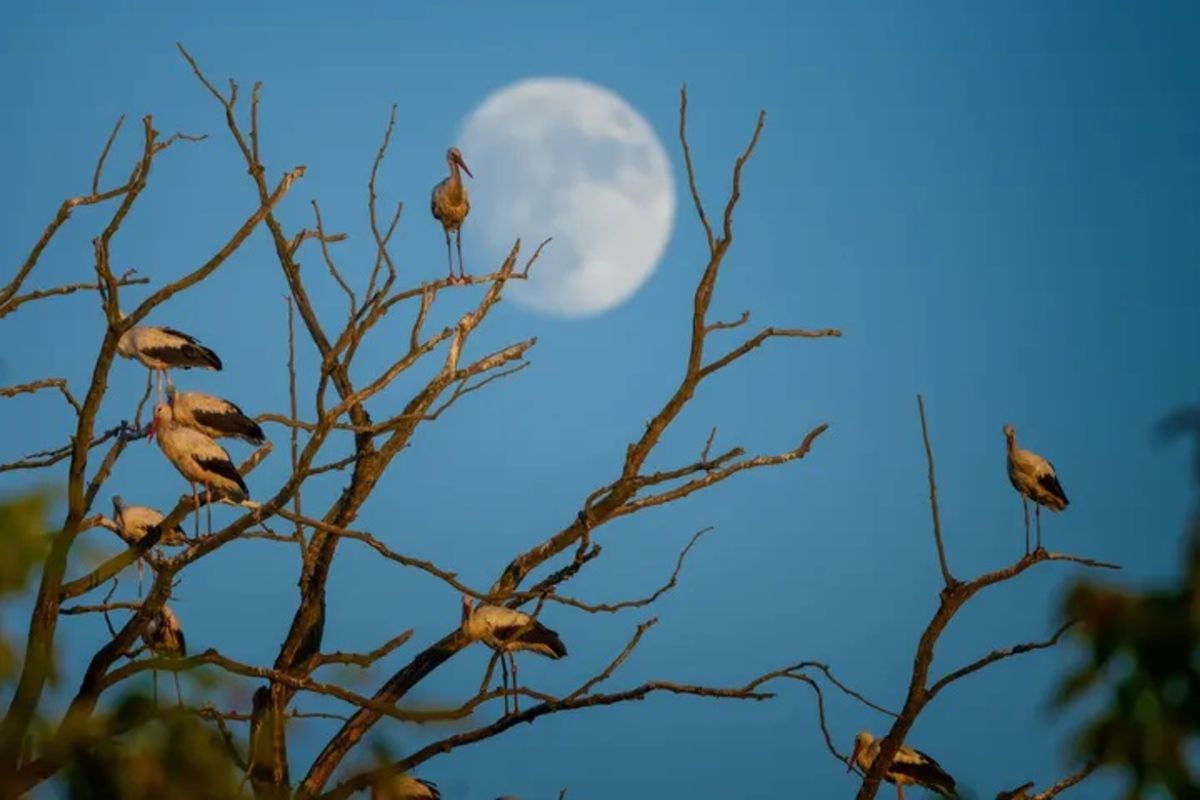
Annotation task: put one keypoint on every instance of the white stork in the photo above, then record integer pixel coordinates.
(910, 767)
(162, 349)
(1034, 478)
(213, 416)
(450, 206)
(132, 523)
(507, 630)
(404, 787)
(199, 459)
(164, 636)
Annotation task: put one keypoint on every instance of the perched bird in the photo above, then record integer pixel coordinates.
(404, 787)
(1019, 793)
(213, 416)
(506, 631)
(199, 460)
(164, 636)
(1034, 478)
(162, 349)
(450, 206)
(132, 523)
(911, 767)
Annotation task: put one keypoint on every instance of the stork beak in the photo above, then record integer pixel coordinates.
(850, 760)
(153, 430)
(463, 164)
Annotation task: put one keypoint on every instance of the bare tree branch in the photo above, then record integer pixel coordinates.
(44, 383)
(998, 655)
(933, 503)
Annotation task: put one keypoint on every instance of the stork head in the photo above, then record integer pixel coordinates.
(118, 507)
(162, 416)
(1010, 433)
(454, 156)
(125, 345)
(467, 603)
(861, 743)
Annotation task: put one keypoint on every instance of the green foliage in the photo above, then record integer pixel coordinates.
(22, 549)
(167, 756)
(1141, 659)
(22, 539)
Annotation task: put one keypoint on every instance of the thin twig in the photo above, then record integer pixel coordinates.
(691, 171)
(933, 501)
(104, 154)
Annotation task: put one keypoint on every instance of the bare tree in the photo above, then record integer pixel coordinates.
(343, 404)
(954, 594)
(353, 406)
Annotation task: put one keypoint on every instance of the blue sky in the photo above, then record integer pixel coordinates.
(997, 205)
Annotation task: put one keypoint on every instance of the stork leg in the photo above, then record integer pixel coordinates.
(462, 273)
(449, 257)
(504, 680)
(178, 694)
(515, 686)
(900, 791)
(1037, 512)
(196, 508)
(1025, 508)
(208, 504)
(139, 572)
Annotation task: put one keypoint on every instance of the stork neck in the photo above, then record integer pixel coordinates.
(455, 176)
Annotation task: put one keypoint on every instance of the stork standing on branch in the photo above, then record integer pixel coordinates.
(1035, 479)
(162, 349)
(507, 630)
(910, 767)
(404, 787)
(213, 416)
(132, 523)
(164, 636)
(199, 459)
(450, 206)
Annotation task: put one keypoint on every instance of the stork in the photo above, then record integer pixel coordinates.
(910, 767)
(1034, 478)
(507, 630)
(164, 636)
(162, 349)
(132, 523)
(404, 787)
(199, 460)
(213, 416)
(450, 206)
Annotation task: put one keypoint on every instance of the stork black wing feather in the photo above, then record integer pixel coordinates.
(233, 423)
(186, 357)
(1050, 484)
(540, 634)
(927, 773)
(225, 469)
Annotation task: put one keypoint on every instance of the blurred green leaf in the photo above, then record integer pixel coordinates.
(23, 541)
(1140, 659)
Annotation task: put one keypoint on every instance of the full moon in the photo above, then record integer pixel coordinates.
(564, 158)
